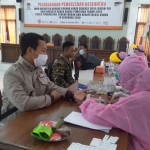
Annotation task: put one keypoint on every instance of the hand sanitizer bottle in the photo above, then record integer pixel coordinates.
(102, 62)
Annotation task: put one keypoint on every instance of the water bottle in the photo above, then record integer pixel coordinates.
(102, 62)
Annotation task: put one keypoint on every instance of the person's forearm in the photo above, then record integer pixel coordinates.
(74, 57)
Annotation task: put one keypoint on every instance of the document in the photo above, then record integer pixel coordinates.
(77, 119)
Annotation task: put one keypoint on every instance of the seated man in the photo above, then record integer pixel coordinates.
(85, 60)
(26, 86)
(61, 68)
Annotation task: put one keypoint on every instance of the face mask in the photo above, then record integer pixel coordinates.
(124, 89)
(40, 60)
(81, 52)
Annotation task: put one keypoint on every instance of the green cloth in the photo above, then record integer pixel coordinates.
(116, 75)
(42, 132)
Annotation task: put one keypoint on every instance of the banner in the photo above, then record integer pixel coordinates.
(84, 14)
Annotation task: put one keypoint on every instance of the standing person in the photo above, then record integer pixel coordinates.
(141, 40)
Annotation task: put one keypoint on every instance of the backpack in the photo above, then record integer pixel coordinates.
(50, 67)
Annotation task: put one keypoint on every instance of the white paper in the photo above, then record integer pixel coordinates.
(95, 142)
(113, 139)
(105, 138)
(77, 119)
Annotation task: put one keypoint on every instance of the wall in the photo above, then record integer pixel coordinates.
(116, 34)
(17, 5)
(128, 29)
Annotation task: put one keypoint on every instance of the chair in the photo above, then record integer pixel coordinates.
(20, 36)
(46, 38)
(123, 44)
(95, 42)
(108, 43)
(46, 71)
(83, 40)
(7, 113)
(9, 146)
(57, 40)
(70, 38)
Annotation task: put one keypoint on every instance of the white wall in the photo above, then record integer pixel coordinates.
(17, 5)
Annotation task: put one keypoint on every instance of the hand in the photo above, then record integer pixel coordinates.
(117, 95)
(72, 59)
(79, 48)
(80, 95)
(56, 95)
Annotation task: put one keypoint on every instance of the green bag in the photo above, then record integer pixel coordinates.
(42, 132)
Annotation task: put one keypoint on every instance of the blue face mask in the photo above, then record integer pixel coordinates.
(81, 52)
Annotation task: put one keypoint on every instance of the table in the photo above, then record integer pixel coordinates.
(18, 130)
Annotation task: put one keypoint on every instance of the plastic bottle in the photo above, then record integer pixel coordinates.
(102, 62)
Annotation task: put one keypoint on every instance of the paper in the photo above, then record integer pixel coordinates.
(78, 146)
(112, 140)
(96, 144)
(77, 119)
(105, 138)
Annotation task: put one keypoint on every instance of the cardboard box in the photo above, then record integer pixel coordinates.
(50, 44)
(100, 69)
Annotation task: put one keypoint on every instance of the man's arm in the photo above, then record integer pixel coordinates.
(110, 115)
(16, 94)
(96, 61)
(75, 55)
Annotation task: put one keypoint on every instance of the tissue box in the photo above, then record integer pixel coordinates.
(100, 69)
(49, 44)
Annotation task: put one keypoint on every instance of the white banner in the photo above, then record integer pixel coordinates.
(96, 14)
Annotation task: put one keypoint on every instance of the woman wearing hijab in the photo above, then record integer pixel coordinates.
(131, 113)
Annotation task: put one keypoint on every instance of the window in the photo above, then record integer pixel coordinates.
(8, 19)
(141, 22)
